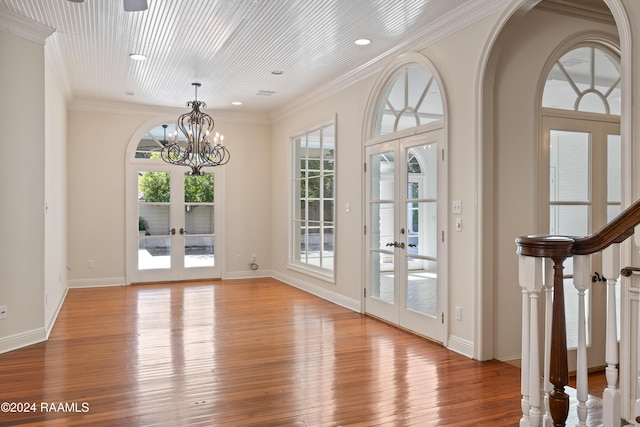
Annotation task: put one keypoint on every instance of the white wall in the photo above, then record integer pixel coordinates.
(55, 190)
(22, 118)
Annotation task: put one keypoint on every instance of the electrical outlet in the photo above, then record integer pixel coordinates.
(90, 263)
(458, 313)
(238, 258)
(3, 312)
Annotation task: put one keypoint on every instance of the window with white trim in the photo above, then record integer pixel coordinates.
(313, 197)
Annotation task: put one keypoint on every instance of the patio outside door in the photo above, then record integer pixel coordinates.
(176, 232)
(403, 234)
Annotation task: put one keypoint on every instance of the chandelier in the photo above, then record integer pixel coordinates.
(198, 151)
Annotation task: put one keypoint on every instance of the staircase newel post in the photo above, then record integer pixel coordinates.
(548, 315)
(559, 369)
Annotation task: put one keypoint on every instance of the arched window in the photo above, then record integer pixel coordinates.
(585, 79)
(412, 98)
(154, 139)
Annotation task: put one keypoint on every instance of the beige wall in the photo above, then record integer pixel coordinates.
(22, 220)
(97, 203)
(55, 188)
(457, 59)
(347, 107)
(527, 43)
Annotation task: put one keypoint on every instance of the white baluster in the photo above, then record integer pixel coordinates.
(523, 271)
(548, 286)
(531, 283)
(611, 397)
(581, 280)
(636, 409)
(534, 288)
(636, 412)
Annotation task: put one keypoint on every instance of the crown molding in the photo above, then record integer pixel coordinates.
(24, 27)
(89, 105)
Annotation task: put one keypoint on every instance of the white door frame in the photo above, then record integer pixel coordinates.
(132, 165)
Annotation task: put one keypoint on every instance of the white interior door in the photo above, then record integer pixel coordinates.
(176, 225)
(404, 238)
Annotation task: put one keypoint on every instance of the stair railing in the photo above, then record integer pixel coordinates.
(541, 259)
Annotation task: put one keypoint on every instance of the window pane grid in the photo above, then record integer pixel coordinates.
(313, 188)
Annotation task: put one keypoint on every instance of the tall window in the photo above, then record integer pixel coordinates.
(581, 106)
(313, 234)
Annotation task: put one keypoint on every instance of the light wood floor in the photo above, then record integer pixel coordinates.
(244, 353)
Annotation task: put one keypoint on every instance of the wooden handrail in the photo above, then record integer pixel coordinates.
(616, 231)
(559, 248)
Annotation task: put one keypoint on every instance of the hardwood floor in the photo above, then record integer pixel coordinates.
(243, 353)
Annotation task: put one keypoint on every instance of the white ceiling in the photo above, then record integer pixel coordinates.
(232, 46)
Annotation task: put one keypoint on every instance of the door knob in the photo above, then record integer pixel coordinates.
(181, 230)
(172, 231)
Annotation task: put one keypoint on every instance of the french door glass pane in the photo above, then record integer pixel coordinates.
(569, 220)
(198, 220)
(422, 170)
(382, 282)
(154, 242)
(422, 231)
(382, 222)
(422, 289)
(381, 225)
(569, 166)
(614, 176)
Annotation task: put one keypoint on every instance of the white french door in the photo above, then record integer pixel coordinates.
(404, 237)
(173, 216)
(584, 194)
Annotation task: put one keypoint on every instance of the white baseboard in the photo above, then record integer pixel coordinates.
(23, 339)
(319, 291)
(247, 274)
(52, 322)
(97, 283)
(460, 345)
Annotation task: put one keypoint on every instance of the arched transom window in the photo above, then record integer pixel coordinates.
(412, 98)
(585, 79)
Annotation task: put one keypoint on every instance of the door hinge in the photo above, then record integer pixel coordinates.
(442, 235)
(365, 292)
(442, 318)
(443, 154)
(365, 168)
(365, 230)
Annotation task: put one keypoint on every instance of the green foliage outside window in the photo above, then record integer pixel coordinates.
(155, 187)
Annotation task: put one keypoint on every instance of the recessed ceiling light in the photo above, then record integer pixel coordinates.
(362, 42)
(129, 93)
(137, 56)
(236, 103)
(277, 72)
(76, 1)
